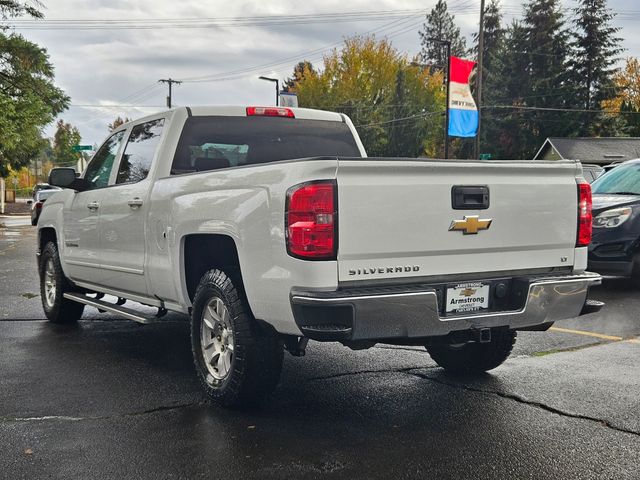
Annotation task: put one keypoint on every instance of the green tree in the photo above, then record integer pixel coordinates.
(14, 8)
(494, 91)
(440, 24)
(65, 138)
(596, 48)
(301, 70)
(534, 69)
(29, 100)
(396, 106)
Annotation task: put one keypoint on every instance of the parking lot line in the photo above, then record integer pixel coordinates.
(585, 333)
(596, 335)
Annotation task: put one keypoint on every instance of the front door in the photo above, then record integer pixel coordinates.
(123, 212)
(81, 235)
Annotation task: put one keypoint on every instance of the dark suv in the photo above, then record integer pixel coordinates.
(614, 248)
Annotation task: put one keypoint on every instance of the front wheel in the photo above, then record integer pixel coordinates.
(237, 362)
(53, 285)
(474, 357)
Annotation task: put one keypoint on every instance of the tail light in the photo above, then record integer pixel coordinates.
(311, 220)
(585, 218)
(270, 112)
(38, 205)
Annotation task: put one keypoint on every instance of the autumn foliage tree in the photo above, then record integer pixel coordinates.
(397, 107)
(626, 83)
(119, 121)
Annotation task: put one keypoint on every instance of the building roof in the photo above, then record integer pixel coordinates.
(603, 150)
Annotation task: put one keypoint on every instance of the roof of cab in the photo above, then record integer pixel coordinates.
(238, 111)
(241, 111)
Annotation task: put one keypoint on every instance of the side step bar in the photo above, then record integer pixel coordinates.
(110, 307)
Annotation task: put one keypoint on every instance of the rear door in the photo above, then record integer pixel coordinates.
(123, 212)
(397, 218)
(81, 239)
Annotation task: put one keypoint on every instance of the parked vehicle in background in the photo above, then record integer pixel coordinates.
(42, 186)
(591, 172)
(611, 166)
(270, 227)
(40, 197)
(615, 246)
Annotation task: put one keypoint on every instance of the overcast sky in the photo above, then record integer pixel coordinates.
(101, 67)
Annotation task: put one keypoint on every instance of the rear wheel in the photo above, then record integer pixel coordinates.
(53, 285)
(475, 357)
(237, 362)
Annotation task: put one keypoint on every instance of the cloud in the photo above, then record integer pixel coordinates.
(106, 67)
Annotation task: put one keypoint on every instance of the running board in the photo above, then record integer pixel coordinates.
(110, 307)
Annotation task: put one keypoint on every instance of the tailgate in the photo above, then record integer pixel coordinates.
(394, 217)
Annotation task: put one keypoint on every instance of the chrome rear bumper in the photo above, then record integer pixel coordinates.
(376, 314)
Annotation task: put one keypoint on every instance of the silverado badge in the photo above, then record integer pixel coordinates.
(470, 225)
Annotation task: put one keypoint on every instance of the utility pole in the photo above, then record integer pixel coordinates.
(447, 44)
(170, 81)
(479, 78)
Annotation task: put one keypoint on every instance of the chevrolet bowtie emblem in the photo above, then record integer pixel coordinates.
(467, 292)
(470, 225)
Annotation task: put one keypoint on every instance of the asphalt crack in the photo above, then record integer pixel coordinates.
(365, 372)
(68, 418)
(525, 401)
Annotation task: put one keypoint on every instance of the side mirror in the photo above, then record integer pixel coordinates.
(66, 178)
(62, 177)
(29, 202)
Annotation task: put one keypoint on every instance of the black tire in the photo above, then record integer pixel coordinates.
(57, 308)
(474, 357)
(256, 354)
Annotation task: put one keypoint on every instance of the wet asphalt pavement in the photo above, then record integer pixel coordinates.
(111, 399)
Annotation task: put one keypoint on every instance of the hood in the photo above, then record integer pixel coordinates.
(604, 201)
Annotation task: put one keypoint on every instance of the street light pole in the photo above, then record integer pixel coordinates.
(275, 80)
(447, 44)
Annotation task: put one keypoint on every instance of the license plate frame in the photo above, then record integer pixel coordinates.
(467, 298)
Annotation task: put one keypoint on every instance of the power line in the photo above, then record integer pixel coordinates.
(307, 55)
(551, 109)
(245, 21)
(395, 120)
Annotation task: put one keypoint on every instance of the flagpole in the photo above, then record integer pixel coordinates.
(447, 44)
(446, 114)
(479, 78)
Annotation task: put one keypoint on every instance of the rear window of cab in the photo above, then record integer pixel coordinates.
(214, 142)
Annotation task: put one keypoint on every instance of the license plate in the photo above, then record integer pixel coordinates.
(467, 297)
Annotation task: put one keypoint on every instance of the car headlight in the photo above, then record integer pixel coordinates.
(612, 218)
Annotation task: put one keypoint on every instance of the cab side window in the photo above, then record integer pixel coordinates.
(139, 152)
(99, 169)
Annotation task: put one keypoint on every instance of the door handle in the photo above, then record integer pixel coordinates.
(135, 202)
(93, 205)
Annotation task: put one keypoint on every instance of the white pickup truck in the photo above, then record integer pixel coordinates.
(270, 226)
